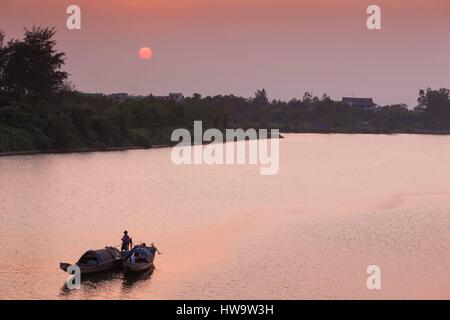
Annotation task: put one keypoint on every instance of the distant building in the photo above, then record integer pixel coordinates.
(120, 96)
(175, 97)
(366, 103)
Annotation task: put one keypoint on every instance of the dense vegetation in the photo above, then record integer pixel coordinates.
(40, 111)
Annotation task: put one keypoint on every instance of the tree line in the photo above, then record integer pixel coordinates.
(41, 111)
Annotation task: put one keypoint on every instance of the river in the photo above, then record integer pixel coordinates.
(338, 204)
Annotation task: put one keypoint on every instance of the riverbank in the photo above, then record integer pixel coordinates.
(80, 150)
(79, 122)
(86, 150)
(371, 131)
(113, 149)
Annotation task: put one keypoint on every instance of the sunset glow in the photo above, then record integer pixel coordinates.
(303, 45)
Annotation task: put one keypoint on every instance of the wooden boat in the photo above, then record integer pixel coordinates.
(131, 278)
(95, 261)
(143, 259)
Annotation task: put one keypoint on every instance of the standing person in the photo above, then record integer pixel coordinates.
(127, 242)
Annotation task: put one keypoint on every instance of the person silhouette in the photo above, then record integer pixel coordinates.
(127, 242)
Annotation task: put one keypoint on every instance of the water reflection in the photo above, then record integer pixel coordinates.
(106, 281)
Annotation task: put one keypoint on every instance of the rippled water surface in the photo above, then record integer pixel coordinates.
(339, 204)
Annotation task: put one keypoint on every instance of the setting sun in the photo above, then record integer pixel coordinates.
(145, 53)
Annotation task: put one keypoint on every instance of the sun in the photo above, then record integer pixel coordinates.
(145, 53)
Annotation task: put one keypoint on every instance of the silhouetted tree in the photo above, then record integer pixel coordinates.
(32, 66)
(326, 98)
(307, 97)
(3, 100)
(436, 104)
(2, 60)
(261, 98)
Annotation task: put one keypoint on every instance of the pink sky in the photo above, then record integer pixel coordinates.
(237, 46)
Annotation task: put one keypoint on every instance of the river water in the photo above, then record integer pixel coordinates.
(338, 204)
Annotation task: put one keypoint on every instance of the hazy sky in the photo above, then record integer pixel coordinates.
(237, 46)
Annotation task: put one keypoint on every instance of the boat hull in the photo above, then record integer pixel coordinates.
(86, 269)
(129, 267)
(108, 259)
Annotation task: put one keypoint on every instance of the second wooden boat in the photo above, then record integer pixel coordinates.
(139, 259)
